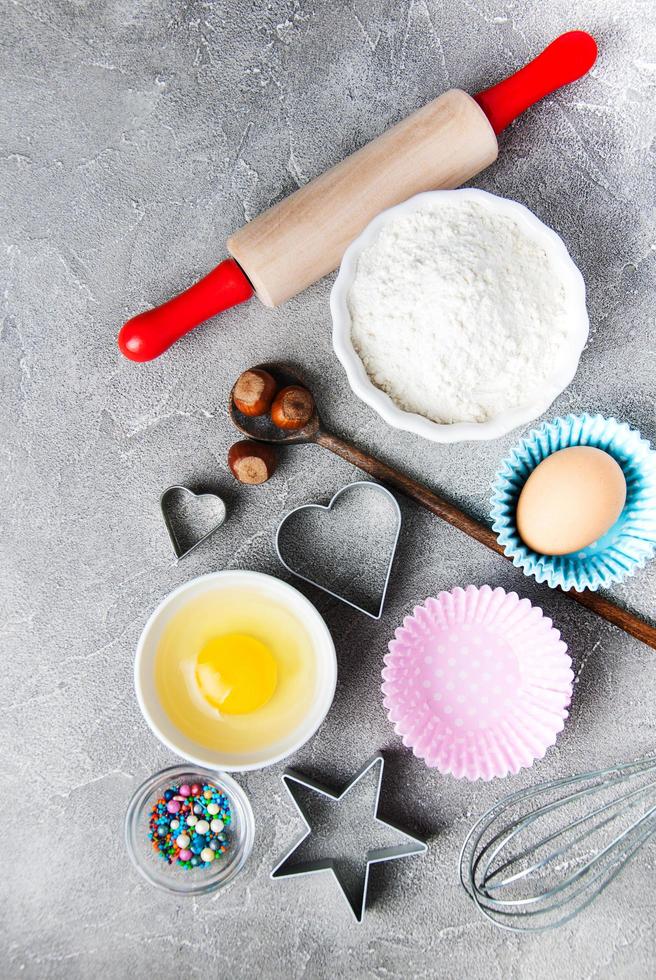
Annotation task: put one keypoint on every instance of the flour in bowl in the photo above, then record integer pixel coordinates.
(459, 313)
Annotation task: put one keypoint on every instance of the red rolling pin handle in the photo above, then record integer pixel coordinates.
(567, 58)
(151, 333)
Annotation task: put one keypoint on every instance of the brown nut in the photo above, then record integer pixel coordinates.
(292, 408)
(253, 392)
(252, 462)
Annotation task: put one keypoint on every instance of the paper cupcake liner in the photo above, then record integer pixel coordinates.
(630, 542)
(477, 682)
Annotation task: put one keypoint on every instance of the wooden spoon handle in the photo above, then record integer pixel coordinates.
(622, 618)
(448, 512)
(416, 491)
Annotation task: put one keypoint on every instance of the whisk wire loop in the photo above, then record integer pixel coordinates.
(492, 873)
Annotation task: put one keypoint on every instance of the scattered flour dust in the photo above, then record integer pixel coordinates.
(458, 313)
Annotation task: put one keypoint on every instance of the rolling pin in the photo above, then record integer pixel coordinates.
(304, 237)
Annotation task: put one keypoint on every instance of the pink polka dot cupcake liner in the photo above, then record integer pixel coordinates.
(477, 682)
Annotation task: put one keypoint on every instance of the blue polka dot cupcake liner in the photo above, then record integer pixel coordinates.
(630, 542)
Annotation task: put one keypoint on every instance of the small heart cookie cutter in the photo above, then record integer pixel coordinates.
(396, 510)
(165, 505)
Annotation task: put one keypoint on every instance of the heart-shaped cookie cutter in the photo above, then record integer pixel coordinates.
(396, 510)
(165, 504)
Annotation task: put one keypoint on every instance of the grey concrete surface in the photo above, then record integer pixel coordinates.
(134, 136)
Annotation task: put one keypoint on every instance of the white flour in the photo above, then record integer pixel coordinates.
(458, 313)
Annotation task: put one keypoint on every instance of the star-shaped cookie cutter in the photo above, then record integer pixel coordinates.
(285, 869)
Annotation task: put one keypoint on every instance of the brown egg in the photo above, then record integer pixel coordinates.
(571, 499)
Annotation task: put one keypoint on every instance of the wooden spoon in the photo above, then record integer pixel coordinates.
(262, 429)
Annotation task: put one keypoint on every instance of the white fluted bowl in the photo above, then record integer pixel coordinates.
(493, 428)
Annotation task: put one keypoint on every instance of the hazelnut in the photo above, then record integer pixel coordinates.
(292, 408)
(254, 391)
(252, 462)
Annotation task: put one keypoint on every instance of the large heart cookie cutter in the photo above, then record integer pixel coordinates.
(368, 560)
(185, 543)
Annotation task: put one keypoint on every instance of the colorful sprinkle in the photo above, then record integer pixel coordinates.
(203, 812)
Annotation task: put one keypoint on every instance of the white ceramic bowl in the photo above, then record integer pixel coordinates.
(144, 670)
(459, 431)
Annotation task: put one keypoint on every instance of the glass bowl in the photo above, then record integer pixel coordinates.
(176, 878)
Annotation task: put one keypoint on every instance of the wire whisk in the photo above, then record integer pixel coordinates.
(543, 854)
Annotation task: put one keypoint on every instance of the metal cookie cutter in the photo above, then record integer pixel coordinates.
(345, 564)
(356, 896)
(175, 504)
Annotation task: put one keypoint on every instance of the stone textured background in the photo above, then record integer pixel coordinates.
(134, 136)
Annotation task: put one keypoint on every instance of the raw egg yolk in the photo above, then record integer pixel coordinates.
(236, 673)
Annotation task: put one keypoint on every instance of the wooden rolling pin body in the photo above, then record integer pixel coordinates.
(304, 237)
